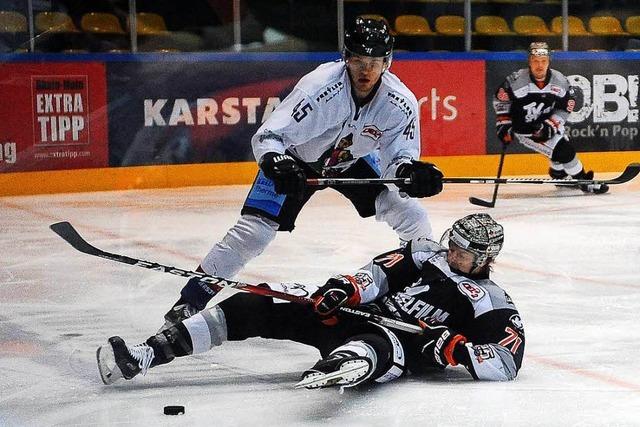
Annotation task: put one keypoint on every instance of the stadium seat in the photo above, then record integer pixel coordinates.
(13, 32)
(150, 24)
(530, 25)
(576, 26)
(12, 22)
(101, 23)
(491, 25)
(450, 25)
(56, 32)
(632, 24)
(606, 26)
(412, 25)
(54, 22)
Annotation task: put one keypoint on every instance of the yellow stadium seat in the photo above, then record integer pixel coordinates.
(12, 22)
(412, 25)
(101, 23)
(54, 22)
(530, 25)
(150, 24)
(450, 25)
(632, 24)
(606, 26)
(576, 26)
(491, 25)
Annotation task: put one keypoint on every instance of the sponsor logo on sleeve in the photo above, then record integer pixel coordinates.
(503, 95)
(471, 290)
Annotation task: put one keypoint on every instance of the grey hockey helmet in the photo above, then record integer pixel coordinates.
(368, 37)
(539, 49)
(479, 234)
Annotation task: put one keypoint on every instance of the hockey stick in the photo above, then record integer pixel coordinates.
(71, 236)
(492, 203)
(630, 172)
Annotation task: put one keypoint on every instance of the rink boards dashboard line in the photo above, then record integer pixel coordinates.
(170, 176)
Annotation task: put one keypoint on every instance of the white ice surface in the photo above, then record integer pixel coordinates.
(571, 263)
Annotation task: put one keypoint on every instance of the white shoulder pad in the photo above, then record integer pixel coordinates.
(519, 82)
(399, 95)
(423, 249)
(559, 83)
(324, 82)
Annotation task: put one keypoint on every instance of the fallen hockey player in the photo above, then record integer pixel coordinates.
(466, 319)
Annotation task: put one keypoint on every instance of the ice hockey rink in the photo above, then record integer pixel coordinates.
(571, 263)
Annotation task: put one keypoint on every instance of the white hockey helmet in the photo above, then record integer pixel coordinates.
(539, 49)
(479, 234)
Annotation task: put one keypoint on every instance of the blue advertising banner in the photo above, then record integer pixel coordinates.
(193, 112)
(605, 117)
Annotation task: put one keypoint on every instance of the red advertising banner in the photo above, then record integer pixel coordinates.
(53, 116)
(451, 95)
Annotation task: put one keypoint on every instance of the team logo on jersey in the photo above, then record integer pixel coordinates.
(555, 89)
(363, 280)
(372, 132)
(516, 321)
(340, 152)
(471, 290)
(533, 110)
(502, 95)
(483, 352)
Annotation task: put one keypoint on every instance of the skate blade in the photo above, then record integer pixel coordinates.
(349, 372)
(109, 370)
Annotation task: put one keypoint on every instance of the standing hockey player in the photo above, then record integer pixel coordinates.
(466, 318)
(532, 106)
(351, 119)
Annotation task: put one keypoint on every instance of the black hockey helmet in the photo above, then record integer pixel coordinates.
(479, 234)
(368, 37)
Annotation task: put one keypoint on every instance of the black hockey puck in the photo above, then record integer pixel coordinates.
(174, 410)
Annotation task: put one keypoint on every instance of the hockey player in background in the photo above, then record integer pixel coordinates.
(532, 106)
(466, 318)
(351, 118)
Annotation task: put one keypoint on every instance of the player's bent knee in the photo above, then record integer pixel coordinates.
(390, 354)
(564, 152)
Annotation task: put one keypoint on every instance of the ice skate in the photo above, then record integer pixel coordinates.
(591, 188)
(117, 360)
(339, 369)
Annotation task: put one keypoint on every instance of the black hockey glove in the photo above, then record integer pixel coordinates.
(285, 173)
(504, 132)
(426, 179)
(338, 291)
(437, 343)
(547, 130)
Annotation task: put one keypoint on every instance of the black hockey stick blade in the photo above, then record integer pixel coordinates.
(630, 172)
(480, 202)
(71, 236)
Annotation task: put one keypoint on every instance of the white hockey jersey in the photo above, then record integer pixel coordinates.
(320, 123)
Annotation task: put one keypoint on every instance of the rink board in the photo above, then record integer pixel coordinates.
(171, 176)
